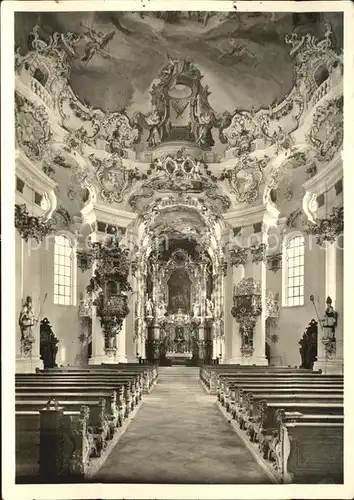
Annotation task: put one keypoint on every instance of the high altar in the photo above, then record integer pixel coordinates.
(179, 311)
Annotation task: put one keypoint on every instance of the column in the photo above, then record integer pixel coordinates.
(98, 341)
(121, 356)
(237, 274)
(259, 273)
(334, 290)
(31, 274)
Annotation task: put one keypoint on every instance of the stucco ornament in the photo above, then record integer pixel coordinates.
(272, 304)
(245, 178)
(182, 174)
(311, 55)
(33, 131)
(113, 178)
(173, 117)
(57, 50)
(241, 133)
(326, 132)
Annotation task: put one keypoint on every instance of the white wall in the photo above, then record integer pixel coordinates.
(37, 276)
(294, 320)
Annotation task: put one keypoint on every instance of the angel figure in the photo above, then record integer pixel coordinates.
(205, 139)
(96, 44)
(153, 121)
(236, 49)
(196, 309)
(195, 172)
(209, 308)
(149, 307)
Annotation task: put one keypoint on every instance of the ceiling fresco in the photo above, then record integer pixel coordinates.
(242, 56)
(152, 112)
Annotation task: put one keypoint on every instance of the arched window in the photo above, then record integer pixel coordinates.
(293, 290)
(63, 271)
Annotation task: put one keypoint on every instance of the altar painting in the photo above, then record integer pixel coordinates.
(179, 291)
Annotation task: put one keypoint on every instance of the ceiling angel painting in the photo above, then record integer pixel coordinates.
(241, 55)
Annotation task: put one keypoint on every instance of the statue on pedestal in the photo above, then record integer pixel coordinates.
(161, 310)
(209, 308)
(149, 308)
(329, 324)
(26, 321)
(196, 309)
(330, 318)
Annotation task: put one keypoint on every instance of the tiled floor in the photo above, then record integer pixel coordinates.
(179, 436)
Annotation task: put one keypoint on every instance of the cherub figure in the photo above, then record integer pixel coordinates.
(96, 44)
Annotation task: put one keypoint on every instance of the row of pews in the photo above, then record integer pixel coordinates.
(66, 418)
(291, 418)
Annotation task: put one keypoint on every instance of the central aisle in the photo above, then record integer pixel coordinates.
(180, 436)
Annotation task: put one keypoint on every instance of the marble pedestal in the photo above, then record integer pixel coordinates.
(27, 364)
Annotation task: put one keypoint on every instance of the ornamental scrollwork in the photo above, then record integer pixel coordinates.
(33, 131)
(326, 230)
(85, 306)
(109, 284)
(113, 178)
(238, 256)
(310, 54)
(274, 261)
(272, 304)
(114, 128)
(293, 217)
(58, 50)
(258, 252)
(326, 132)
(245, 178)
(247, 300)
(31, 226)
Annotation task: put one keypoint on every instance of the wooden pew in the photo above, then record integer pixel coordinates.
(91, 389)
(132, 385)
(77, 445)
(129, 394)
(228, 386)
(307, 450)
(103, 418)
(214, 378)
(251, 411)
(148, 373)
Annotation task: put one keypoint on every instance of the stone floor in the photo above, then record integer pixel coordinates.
(180, 436)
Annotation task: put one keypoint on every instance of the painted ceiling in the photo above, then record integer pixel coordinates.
(243, 57)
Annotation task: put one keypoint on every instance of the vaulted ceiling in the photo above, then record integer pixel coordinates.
(243, 57)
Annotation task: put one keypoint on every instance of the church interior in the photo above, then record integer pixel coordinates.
(179, 247)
